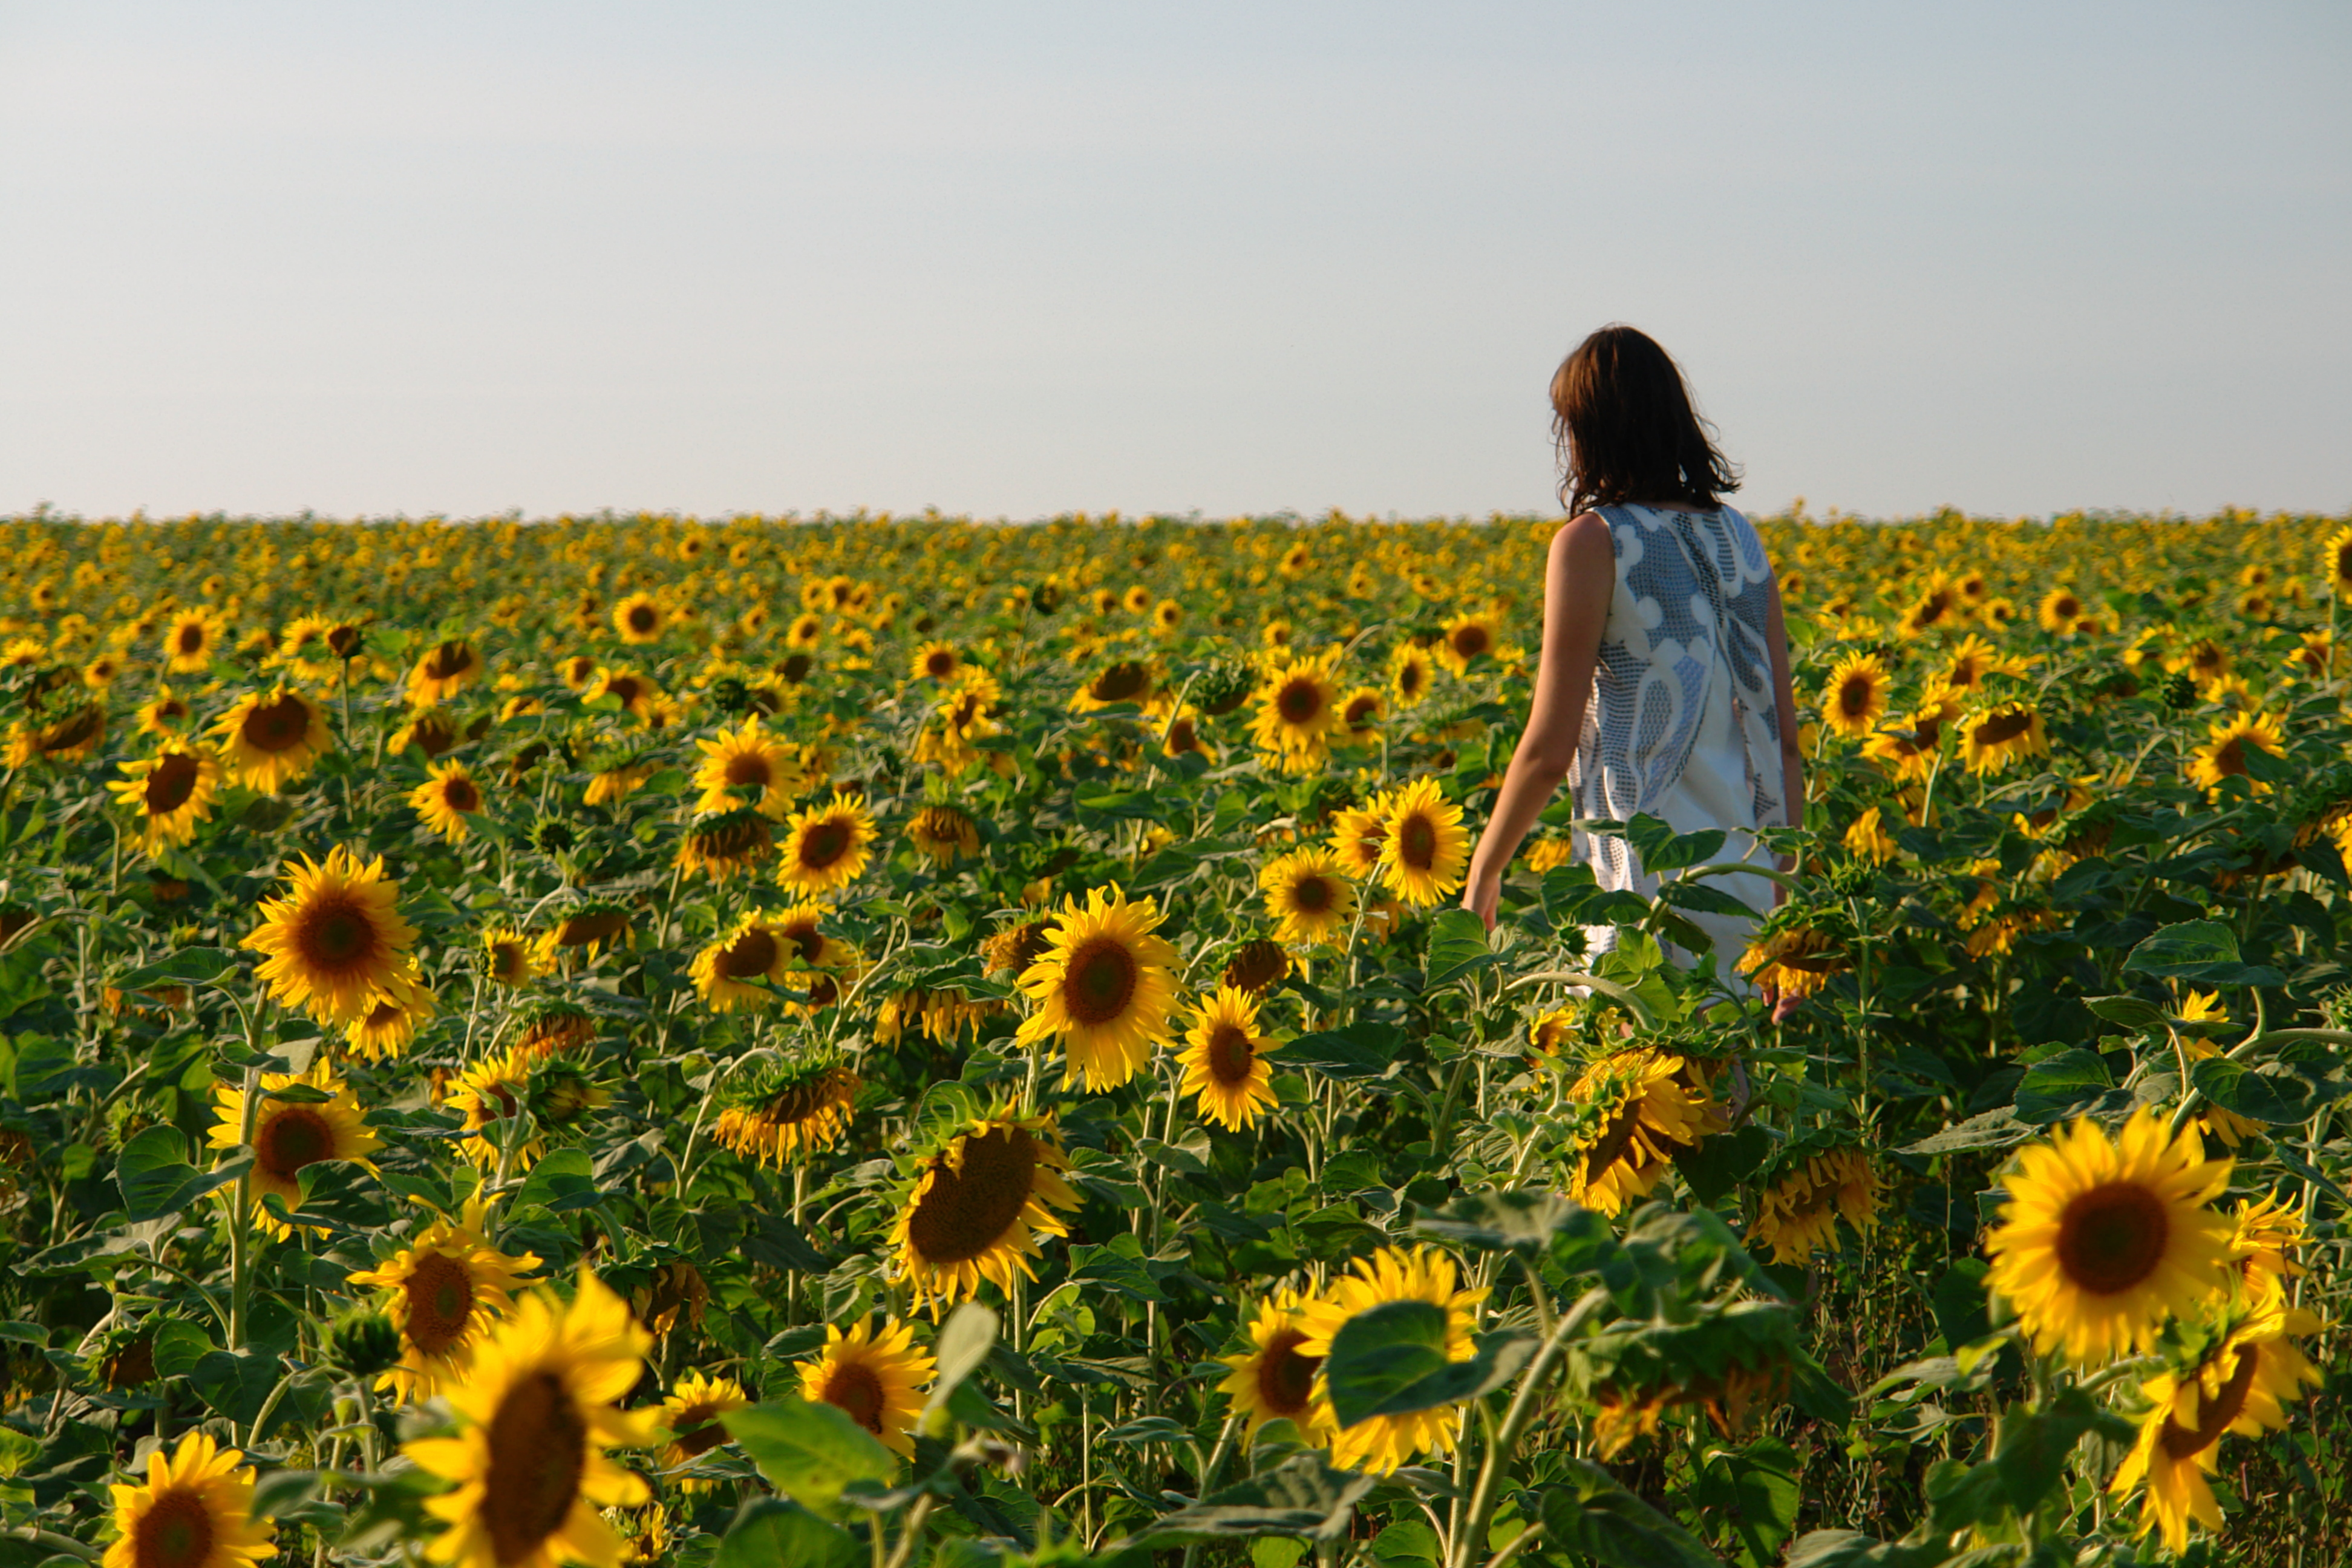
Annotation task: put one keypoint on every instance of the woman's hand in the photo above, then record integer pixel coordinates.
(1482, 893)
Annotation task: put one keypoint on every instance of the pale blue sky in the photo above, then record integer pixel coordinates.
(1018, 258)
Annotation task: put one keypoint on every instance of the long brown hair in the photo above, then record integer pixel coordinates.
(1623, 420)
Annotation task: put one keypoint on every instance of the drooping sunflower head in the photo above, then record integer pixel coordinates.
(1257, 966)
(2101, 1242)
(1790, 959)
(740, 968)
(268, 740)
(785, 1109)
(1122, 681)
(978, 1207)
(196, 1510)
(1016, 948)
(1991, 738)
(943, 834)
(722, 843)
(1274, 1380)
(1309, 896)
(1426, 848)
(1104, 986)
(335, 943)
(1855, 697)
(1798, 1211)
(1223, 1060)
(1635, 1114)
(1382, 1443)
(552, 1026)
(827, 847)
(588, 926)
(875, 1373)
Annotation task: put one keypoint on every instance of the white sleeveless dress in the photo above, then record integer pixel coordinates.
(1682, 722)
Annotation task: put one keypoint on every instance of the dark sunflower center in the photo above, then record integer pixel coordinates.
(460, 795)
(539, 1449)
(965, 1213)
(939, 666)
(1361, 711)
(191, 639)
(1182, 737)
(2067, 607)
(277, 725)
(1256, 965)
(643, 618)
(749, 768)
(1120, 682)
(2112, 1237)
(508, 963)
(337, 935)
(1469, 642)
(825, 843)
(1230, 1056)
(853, 1386)
(732, 839)
(1417, 842)
(439, 1292)
(2219, 1412)
(449, 660)
(1298, 701)
(293, 1137)
(2229, 756)
(1409, 679)
(177, 1531)
(1099, 981)
(753, 952)
(698, 1430)
(1312, 895)
(171, 782)
(1286, 1380)
(2002, 728)
(1854, 695)
(76, 730)
(628, 688)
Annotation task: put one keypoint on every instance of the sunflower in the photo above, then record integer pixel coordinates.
(491, 1096)
(1867, 839)
(1991, 738)
(2223, 754)
(1359, 834)
(538, 1413)
(1224, 1060)
(1973, 662)
(2059, 610)
(1257, 966)
(429, 730)
(936, 661)
(639, 618)
(725, 842)
(876, 1375)
(943, 834)
(1798, 1214)
(1105, 985)
(2240, 1385)
(745, 758)
(591, 925)
(1914, 752)
(303, 648)
(633, 692)
(335, 940)
(1382, 1443)
(743, 966)
(163, 713)
(1297, 713)
(1855, 697)
(1015, 948)
(827, 847)
(448, 1285)
(610, 785)
(446, 797)
(195, 1511)
(1307, 895)
(1467, 639)
(510, 958)
(1166, 617)
(1122, 681)
(1426, 848)
(690, 1413)
(578, 672)
(68, 740)
(2335, 562)
(1640, 1114)
(1273, 1381)
(979, 1207)
(805, 632)
(2100, 1242)
(172, 791)
(446, 669)
(289, 1134)
(270, 739)
(191, 638)
(2264, 1233)
(552, 1028)
(394, 1020)
(788, 1108)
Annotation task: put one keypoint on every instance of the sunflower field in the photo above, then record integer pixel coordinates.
(900, 1041)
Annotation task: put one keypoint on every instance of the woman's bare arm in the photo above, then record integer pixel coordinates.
(1579, 580)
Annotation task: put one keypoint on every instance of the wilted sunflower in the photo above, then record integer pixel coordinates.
(448, 1286)
(1640, 1111)
(1855, 697)
(976, 1211)
(827, 847)
(1104, 985)
(335, 942)
(1467, 638)
(1273, 1381)
(70, 739)
(943, 833)
(2223, 754)
(196, 1510)
(1382, 1443)
(591, 925)
(1257, 966)
(289, 1134)
(396, 1018)
(725, 842)
(787, 1109)
(1309, 896)
(1297, 713)
(690, 1413)
(2241, 1384)
(1991, 738)
(1122, 681)
(446, 669)
(1426, 848)
(1223, 1060)
(552, 1028)
(539, 1411)
(446, 797)
(936, 661)
(1792, 960)
(191, 638)
(172, 792)
(1358, 833)
(639, 618)
(746, 759)
(491, 1096)
(270, 739)
(163, 713)
(876, 1375)
(2101, 1242)
(741, 967)
(1866, 839)
(1798, 1214)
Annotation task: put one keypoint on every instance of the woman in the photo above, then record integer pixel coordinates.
(1664, 682)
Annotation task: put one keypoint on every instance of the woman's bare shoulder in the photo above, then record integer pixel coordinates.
(1582, 534)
